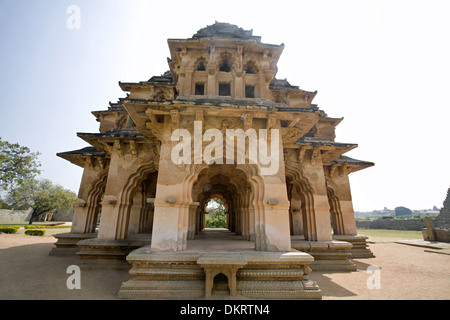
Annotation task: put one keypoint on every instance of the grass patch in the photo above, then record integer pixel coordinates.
(23, 224)
(384, 233)
(44, 227)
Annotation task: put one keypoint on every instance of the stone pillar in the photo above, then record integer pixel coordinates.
(272, 208)
(192, 216)
(135, 213)
(87, 203)
(114, 219)
(239, 87)
(340, 184)
(211, 83)
(316, 209)
(172, 201)
(187, 85)
(296, 214)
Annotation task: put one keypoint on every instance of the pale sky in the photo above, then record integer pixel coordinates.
(382, 65)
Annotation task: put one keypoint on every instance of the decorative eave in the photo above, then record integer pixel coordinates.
(345, 164)
(333, 121)
(244, 103)
(102, 141)
(148, 115)
(129, 86)
(81, 156)
(330, 150)
(283, 84)
(113, 109)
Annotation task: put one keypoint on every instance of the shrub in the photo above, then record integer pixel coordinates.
(44, 227)
(35, 232)
(219, 221)
(9, 229)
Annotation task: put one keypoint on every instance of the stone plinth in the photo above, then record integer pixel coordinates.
(66, 243)
(106, 254)
(191, 275)
(215, 264)
(328, 255)
(360, 248)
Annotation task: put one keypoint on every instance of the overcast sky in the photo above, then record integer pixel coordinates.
(382, 65)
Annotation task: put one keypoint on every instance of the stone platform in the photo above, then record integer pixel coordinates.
(107, 254)
(219, 262)
(328, 255)
(196, 275)
(360, 248)
(66, 243)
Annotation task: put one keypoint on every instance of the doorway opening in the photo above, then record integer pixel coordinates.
(215, 214)
(220, 285)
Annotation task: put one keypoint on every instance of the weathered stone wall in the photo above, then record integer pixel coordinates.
(63, 215)
(16, 216)
(8, 216)
(393, 224)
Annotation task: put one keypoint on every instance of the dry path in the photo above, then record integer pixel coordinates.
(406, 272)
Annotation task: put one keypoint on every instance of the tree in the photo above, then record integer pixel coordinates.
(17, 165)
(42, 196)
(215, 217)
(402, 211)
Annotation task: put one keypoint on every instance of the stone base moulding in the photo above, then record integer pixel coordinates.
(328, 255)
(66, 243)
(192, 275)
(106, 254)
(360, 247)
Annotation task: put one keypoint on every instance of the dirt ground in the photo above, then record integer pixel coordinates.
(405, 272)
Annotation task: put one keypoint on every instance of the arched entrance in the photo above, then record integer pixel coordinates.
(231, 187)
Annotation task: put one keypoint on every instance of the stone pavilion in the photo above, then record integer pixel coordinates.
(140, 209)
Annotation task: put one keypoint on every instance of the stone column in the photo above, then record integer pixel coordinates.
(187, 85)
(341, 187)
(173, 198)
(114, 219)
(135, 213)
(272, 207)
(296, 213)
(316, 215)
(192, 216)
(85, 207)
(239, 87)
(211, 82)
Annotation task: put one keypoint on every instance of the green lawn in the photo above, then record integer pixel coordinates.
(383, 233)
(48, 232)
